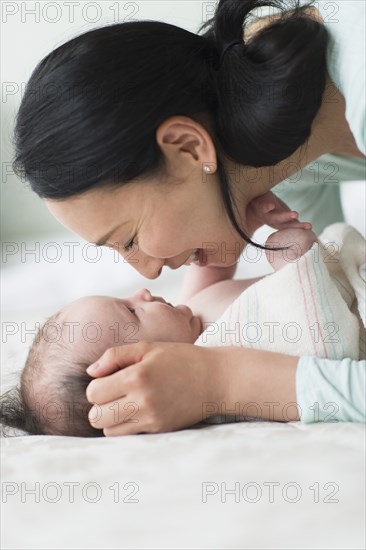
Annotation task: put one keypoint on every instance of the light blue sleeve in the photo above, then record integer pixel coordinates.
(331, 391)
(314, 191)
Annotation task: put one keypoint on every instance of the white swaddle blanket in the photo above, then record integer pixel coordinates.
(314, 305)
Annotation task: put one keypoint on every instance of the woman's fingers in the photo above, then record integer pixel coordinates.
(117, 358)
(122, 413)
(114, 386)
(124, 416)
(164, 391)
(122, 429)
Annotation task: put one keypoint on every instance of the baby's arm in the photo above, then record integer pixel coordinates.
(198, 278)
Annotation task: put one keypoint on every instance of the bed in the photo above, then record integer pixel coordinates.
(232, 485)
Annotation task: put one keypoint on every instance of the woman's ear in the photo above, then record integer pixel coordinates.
(186, 144)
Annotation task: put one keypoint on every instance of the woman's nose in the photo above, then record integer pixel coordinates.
(149, 267)
(146, 265)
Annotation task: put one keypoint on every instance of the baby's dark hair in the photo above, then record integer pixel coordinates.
(49, 405)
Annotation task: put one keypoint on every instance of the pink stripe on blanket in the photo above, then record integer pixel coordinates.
(305, 302)
(314, 305)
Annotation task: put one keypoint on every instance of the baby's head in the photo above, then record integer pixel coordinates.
(51, 398)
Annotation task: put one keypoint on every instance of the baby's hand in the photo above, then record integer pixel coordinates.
(270, 210)
(297, 241)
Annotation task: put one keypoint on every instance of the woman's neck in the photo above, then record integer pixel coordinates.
(331, 130)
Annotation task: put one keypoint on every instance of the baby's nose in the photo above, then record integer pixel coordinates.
(143, 294)
(159, 299)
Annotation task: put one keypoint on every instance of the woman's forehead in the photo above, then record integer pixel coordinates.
(92, 214)
(100, 204)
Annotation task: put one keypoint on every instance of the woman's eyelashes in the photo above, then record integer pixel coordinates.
(127, 247)
(132, 310)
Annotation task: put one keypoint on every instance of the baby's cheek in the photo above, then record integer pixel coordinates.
(170, 329)
(185, 334)
(122, 333)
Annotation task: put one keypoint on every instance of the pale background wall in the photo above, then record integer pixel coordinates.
(30, 30)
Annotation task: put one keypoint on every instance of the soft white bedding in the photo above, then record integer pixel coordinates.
(316, 472)
(166, 473)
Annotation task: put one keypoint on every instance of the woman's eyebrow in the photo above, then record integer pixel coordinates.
(105, 238)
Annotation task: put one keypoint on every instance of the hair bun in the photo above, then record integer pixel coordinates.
(230, 45)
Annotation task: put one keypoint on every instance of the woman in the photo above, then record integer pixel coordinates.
(151, 139)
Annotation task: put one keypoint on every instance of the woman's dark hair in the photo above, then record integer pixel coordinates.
(43, 405)
(90, 111)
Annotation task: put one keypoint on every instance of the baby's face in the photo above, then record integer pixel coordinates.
(92, 324)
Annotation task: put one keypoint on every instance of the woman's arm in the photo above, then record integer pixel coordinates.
(161, 386)
(283, 387)
(257, 384)
(330, 390)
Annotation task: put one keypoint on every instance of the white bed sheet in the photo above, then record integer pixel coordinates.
(169, 470)
(323, 465)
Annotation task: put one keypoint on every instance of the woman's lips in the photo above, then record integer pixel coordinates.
(191, 259)
(201, 259)
(198, 257)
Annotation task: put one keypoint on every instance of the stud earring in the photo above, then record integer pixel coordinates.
(207, 168)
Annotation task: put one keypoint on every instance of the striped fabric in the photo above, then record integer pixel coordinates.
(313, 306)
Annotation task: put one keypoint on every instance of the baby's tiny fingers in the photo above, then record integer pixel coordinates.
(268, 207)
(297, 225)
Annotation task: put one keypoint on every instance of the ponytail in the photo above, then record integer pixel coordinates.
(269, 89)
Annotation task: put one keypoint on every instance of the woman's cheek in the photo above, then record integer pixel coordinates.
(170, 240)
(154, 246)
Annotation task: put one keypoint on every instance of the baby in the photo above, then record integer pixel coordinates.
(51, 398)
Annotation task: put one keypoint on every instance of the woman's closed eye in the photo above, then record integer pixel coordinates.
(128, 246)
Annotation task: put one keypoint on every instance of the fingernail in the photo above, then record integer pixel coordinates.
(93, 367)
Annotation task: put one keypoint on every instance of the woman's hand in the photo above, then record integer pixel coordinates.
(151, 387)
(270, 210)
